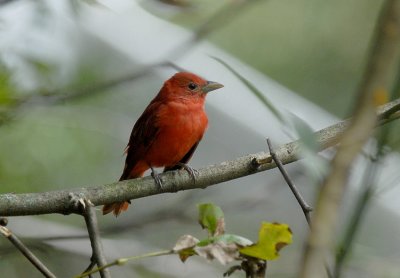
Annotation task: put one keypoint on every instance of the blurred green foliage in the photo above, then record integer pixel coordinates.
(316, 48)
(6, 88)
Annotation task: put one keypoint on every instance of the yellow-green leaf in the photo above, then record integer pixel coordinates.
(211, 218)
(271, 238)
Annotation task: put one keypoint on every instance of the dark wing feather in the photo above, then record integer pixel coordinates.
(184, 160)
(143, 133)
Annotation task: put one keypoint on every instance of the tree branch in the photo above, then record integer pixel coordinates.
(25, 250)
(60, 201)
(94, 234)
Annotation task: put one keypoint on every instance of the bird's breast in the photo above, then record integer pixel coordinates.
(180, 126)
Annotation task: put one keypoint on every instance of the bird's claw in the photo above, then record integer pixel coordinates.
(156, 177)
(193, 173)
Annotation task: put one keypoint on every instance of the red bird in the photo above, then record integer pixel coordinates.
(169, 130)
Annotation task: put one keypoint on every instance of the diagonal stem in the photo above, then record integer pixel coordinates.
(25, 250)
(304, 206)
(98, 256)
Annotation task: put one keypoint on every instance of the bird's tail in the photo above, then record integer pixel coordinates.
(116, 208)
(137, 171)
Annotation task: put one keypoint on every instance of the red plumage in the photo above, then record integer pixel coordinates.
(169, 130)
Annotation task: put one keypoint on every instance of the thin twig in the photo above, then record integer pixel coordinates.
(25, 251)
(60, 201)
(122, 261)
(94, 234)
(369, 183)
(304, 206)
(90, 267)
(381, 67)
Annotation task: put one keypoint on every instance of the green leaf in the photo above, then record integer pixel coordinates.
(230, 238)
(211, 218)
(271, 238)
(226, 238)
(254, 90)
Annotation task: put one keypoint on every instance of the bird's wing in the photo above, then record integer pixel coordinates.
(142, 136)
(184, 160)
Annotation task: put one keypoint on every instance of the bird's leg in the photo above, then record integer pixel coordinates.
(192, 172)
(156, 177)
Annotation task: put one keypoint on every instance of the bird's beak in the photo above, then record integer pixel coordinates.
(211, 86)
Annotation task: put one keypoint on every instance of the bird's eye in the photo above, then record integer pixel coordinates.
(192, 86)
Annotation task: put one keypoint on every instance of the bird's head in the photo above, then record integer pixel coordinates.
(188, 85)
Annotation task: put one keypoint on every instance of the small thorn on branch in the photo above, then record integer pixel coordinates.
(304, 206)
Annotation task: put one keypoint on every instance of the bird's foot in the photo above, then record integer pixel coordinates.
(193, 173)
(156, 178)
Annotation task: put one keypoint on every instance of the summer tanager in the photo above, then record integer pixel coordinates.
(168, 131)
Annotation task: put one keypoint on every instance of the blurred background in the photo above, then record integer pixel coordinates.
(62, 125)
